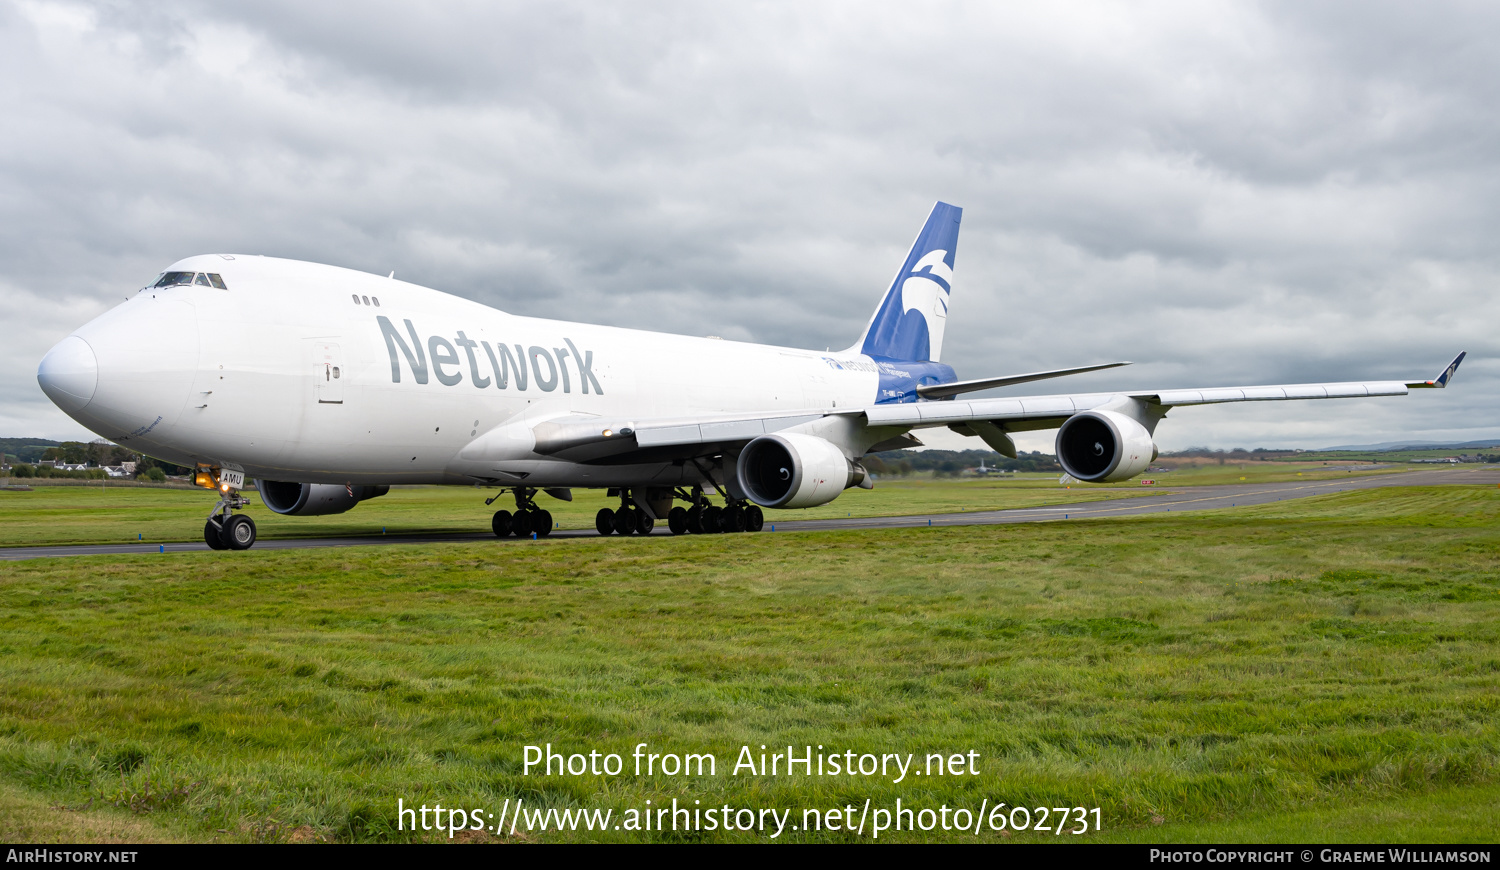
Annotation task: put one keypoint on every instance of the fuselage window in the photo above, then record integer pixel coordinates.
(170, 279)
(376, 300)
(366, 298)
(217, 281)
(202, 280)
(356, 298)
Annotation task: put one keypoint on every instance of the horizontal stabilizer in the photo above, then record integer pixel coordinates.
(1441, 380)
(943, 391)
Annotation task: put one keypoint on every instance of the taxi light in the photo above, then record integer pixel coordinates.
(205, 479)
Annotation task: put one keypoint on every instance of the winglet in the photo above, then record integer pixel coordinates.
(1442, 380)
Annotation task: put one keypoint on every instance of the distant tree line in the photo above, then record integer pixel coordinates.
(26, 455)
(25, 449)
(952, 463)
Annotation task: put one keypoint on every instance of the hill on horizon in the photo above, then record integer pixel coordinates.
(1391, 446)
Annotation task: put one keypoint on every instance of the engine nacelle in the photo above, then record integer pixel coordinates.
(314, 499)
(1103, 446)
(794, 470)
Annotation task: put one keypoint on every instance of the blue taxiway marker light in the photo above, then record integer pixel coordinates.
(140, 537)
(929, 522)
(773, 527)
(533, 536)
(161, 548)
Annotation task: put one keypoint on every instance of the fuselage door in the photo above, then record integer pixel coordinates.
(328, 372)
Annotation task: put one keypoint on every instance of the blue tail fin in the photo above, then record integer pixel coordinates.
(909, 323)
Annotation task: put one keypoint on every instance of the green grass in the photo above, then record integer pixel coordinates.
(1323, 669)
(75, 514)
(1212, 474)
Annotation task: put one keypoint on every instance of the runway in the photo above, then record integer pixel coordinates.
(1179, 500)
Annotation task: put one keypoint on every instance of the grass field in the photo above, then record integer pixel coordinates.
(1319, 669)
(93, 514)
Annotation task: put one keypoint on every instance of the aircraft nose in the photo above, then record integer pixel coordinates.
(69, 373)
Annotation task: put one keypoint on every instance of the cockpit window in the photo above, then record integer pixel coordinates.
(169, 279)
(174, 279)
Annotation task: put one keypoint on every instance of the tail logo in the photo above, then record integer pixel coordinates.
(927, 286)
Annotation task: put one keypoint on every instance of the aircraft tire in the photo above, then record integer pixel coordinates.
(695, 520)
(644, 522)
(239, 532)
(500, 524)
(677, 521)
(213, 536)
(624, 522)
(711, 519)
(604, 521)
(541, 522)
(732, 519)
(755, 518)
(520, 524)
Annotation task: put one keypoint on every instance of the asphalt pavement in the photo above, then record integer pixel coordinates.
(1170, 499)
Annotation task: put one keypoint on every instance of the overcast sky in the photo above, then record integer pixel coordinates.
(1224, 193)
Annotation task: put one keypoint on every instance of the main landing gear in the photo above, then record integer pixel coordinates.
(628, 520)
(528, 519)
(226, 530)
(702, 518)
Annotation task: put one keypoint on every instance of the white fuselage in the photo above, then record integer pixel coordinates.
(244, 378)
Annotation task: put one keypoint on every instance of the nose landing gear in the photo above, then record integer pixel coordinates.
(226, 530)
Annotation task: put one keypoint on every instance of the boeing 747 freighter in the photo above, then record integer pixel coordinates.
(326, 386)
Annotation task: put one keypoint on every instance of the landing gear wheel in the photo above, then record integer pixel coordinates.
(604, 521)
(541, 522)
(755, 519)
(677, 521)
(213, 536)
(520, 524)
(625, 521)
(500, 523)
(711, 516)
(695, 520)
(643, 522)
(239, 532)
(732, 519)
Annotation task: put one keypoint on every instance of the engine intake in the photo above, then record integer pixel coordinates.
(1103, 446)
(314, 499)
(795, 471)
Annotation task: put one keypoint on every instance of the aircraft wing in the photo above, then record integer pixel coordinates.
(1047, 412)
(595, 439)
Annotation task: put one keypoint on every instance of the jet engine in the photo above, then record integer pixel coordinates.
(1103, 446)
(794, 470)
(314, 499)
